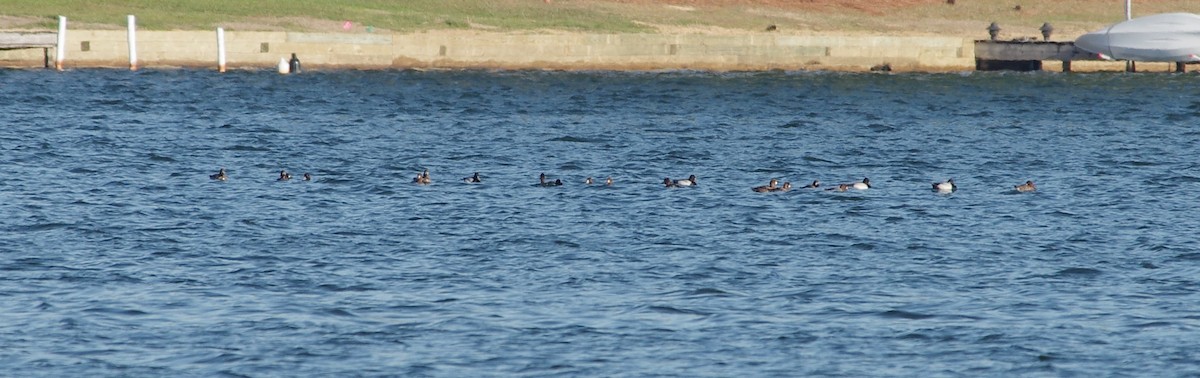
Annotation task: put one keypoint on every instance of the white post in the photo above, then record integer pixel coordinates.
(221, 50)
(62, 43)
(1129, 65)
(132, 43)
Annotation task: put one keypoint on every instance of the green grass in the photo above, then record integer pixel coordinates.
(968, 18)
(397, 15)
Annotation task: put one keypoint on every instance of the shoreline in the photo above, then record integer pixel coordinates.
(506, 50)
(570, 51)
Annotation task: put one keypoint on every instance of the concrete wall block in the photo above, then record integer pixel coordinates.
(717, 40)
(479, 49)
(629, 51)
(873, 52)
(640, 39)
(241, 59)
(272, 37)
(339, 38)
(24, 57)
(332, 49)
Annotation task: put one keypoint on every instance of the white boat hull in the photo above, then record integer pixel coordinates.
(1167, 37)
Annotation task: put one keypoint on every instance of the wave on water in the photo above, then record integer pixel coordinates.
(121, 255)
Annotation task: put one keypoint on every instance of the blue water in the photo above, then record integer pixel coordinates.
(119, 257)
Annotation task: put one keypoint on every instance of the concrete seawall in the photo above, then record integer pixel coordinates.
(463, 49)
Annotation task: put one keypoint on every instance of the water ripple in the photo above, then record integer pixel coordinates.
(120, 255)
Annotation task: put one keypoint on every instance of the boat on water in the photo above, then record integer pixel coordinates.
(1166, 37)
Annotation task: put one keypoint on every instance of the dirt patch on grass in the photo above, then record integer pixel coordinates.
(865, 6)
(20, 22)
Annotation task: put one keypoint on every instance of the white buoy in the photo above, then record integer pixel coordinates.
(132, 43)
(221, 50)
(60, 51)
(283, 66)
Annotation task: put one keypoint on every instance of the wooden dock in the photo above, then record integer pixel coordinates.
(1025, 55)
(30, 40)
(1028, 55)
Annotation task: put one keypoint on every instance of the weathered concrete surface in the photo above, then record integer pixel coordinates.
(1013, 50)
(455, 49)
(23, 40)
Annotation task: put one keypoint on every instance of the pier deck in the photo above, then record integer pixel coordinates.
(30, 40)
(1028, 55)
(1025, 55)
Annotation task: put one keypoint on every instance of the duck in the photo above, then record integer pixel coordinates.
(947, 186)
(668, 183)
(589, 181)
(284, 176)
(307, 176)
(219, 176)
(862, 185)
(422, 178)
(1026, 187)
(473, 179)
(840, 188)
(766, 188)
(542, 181)
(690, 181)
(815, 184)
(786, 187)
(608, 181)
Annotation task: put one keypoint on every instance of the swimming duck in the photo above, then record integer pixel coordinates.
(862, 185)
(608, 181)
(588, 181)
(307, 176)
(945, 186)
(219, 176)
(840, 188)
(1026, 187)
(767, 188)
(815, 184)
(542, 181)
(668, 183)
(422, 178)
(473, 179)
(284, 176)
(786, 187)
(690, 181)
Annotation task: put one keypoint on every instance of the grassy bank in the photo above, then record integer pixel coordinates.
(967, 18)
(323, 15)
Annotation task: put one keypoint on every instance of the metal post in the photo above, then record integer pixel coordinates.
(60, 52)
(132, 43)
(221, 50)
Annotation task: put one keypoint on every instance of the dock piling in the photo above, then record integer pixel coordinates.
(132, 43)
(221, 50)
(60, 51)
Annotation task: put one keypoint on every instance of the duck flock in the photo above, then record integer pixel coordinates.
(423, 178)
